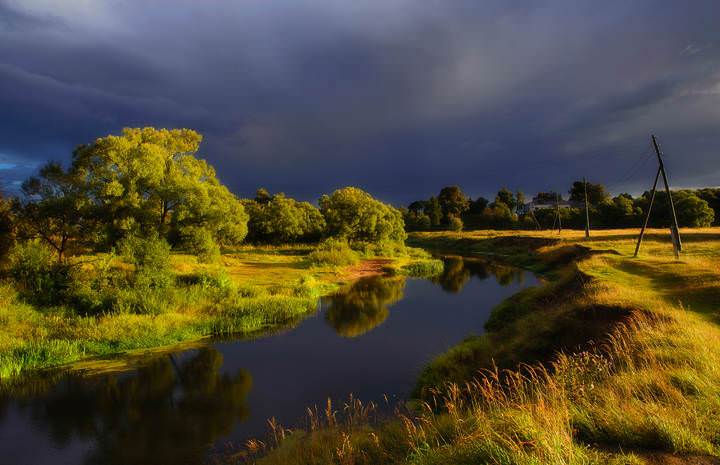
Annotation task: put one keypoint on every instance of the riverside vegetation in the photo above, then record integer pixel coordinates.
(613, 360)
(138, 245)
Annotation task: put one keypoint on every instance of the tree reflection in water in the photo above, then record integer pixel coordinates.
(168, 411)
(364, 305)
(458, 270)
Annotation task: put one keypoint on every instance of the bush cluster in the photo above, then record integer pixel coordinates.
(41, 278)
(335, 252)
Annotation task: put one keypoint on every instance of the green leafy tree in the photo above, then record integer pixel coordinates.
(596, 193)
(477, 206)
(150, 180)
(694, 212)
(712, 197)
(519, 200)
(691, 211)
(353, 214)
(283, 220)
(455, 224)
(548, 197)
(452, 202)
(54, 208)
(262, 196)
(416, 220)
(618, 212)
(506, 197)
(417, 206)
(498, 215)
(433, 210)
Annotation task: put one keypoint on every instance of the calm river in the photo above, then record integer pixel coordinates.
(371, 340)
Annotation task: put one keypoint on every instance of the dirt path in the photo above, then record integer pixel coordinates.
(365, 268)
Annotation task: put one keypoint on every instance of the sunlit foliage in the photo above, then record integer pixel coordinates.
(150, 180)
(353, 214)
(279, 220)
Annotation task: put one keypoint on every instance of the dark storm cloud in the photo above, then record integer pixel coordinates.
(394, 96)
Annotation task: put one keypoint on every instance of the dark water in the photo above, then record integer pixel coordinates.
(370, 340)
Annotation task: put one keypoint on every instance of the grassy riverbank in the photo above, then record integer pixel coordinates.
(630, 350)
(111, 311)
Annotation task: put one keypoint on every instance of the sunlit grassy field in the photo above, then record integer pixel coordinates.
(615, 360)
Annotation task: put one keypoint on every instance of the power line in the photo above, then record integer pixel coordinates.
(632, 171)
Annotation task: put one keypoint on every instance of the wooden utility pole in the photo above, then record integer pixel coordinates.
(647, 218)
(674, 230)
(557, 206)
(537, 223)
(587, 211)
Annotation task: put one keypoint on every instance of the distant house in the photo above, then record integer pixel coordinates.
(537, 204)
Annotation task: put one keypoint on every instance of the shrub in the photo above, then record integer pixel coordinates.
(216, 281)
(423, 268)
(202, 244)
(151, 257)
(455, 224)
(6, 228)
(333, 252)
(306, 287)
(38, 273)
(95, 290)
(380, 249)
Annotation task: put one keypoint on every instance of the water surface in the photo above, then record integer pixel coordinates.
(370, 340)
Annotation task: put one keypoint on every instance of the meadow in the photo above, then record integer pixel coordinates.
(614, 360)
(110, 307)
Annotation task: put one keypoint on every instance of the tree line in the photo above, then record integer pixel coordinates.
(149, 182)
(451, 209)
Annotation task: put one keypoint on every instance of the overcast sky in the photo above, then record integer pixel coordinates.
(397, 97)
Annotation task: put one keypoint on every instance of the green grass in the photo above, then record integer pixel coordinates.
(252, 291)
(615, 360)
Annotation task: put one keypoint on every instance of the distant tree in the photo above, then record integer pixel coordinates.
(694, 212)
(477, 206)
(353, 214)
(548, 197)
(506, 197)
(618, 212)
(498, 215)
(455, 224)
(452, 202)
(712, 197)
(262, 196)
(150, 180)
(415, 220)
(691, 210)
(519, 200)
(54, 207)
(596, 193)
(417, 206)
(433, 211)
